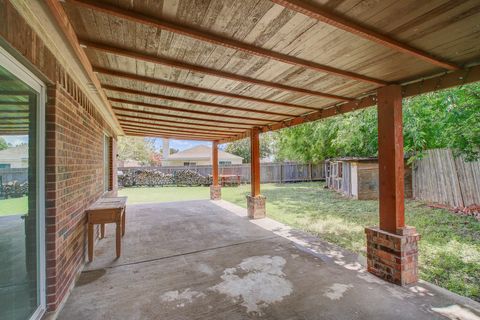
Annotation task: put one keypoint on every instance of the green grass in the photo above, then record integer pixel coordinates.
(449, 249)
(13, 206)
(164, 194)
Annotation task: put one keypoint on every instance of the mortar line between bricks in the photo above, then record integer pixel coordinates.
(182, 254)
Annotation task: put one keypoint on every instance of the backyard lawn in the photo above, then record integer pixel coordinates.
(449, 248)
(13, 206)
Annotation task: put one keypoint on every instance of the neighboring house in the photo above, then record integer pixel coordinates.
(14, 157)
(200, 155)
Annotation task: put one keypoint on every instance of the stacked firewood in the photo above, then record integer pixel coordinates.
(153, 177)
(14, 189)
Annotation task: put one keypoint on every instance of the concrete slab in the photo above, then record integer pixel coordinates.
(206, 260)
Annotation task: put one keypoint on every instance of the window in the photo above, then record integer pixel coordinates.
(107, 163)
(225, 163)
(189, 164)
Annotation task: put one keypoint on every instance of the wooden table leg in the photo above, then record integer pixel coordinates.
(118, 237)
(102, 231)
(123, 221)
(90, 242)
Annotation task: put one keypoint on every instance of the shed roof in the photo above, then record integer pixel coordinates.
(201, 153)
(216, 69)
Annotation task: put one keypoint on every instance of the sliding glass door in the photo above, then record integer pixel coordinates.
(22, 228)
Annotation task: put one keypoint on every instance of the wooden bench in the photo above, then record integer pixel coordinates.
(106, 210)
(229, 179)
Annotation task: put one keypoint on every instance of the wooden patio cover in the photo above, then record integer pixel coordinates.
(215, 69)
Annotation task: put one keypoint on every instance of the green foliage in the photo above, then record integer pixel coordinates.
(241, 148)
(136, 148)
(3, 144)
(444, 119)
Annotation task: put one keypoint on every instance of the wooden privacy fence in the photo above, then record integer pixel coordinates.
(441, 178)
(270, 172)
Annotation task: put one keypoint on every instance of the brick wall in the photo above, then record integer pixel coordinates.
(74, 155)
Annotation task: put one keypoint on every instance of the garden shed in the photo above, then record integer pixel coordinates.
(358, 177)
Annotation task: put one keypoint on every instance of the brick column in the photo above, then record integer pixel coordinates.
(255, 201)
(392, 248)
(215, 188)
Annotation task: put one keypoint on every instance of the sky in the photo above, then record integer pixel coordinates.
(16, 140)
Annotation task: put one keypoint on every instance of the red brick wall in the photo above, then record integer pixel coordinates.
(74, 175)
(74, 155)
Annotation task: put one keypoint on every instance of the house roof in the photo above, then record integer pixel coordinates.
(227, 67)
(201, 153)
(15, 153)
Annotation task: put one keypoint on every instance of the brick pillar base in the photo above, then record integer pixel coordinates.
(256, 207)
(215, 192)
(393, 257)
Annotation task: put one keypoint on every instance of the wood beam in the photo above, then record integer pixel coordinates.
(197, 102)
(149, 127)
(185, 87)
(170, 133)
(195, 33)
(188, 111)
(59, 14)
(215, 163)
(183, 117)
(336, 21)
(187, 124)
(390, 159)
(141, 134)
(255, 162)
(433, 83)
(161, 125)
(212, 72)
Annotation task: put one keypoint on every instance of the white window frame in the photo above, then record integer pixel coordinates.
(13, 66)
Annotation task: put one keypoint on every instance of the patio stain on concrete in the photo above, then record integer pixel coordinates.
(337, 290)
(456, 312)
(87, 277)
(187, 296)
(256, 281)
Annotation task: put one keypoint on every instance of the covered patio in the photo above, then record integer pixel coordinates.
(207, 260)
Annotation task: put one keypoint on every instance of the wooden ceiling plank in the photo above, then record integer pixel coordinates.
(239, 128)
(198, 102)
(336, 21)
(202, 35)
(139, 134)
(155, 127)
(175, 85)
(161, 125)
(216, 73)
(132, 127)
(187, 135)
(184, 117)
(188, 111)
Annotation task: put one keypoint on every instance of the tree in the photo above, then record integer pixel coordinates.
(3, 144)
(136, 148)
(241, 148)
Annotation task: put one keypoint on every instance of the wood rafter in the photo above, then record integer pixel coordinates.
(239, 128)
(217, 73)
(201, 35)
(431, 84)
(142, 134)
(215, 122)
(171, 133)
(162, 125)
(185, 87)
(344, 24)
(188, 111)
(154, 127)
(197, 102)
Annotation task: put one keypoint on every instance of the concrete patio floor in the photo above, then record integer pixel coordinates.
(206, 260)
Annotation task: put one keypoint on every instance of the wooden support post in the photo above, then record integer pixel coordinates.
(255, 202)
(215, 188)
(390, 158)
(255, 161)
(392, 248)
